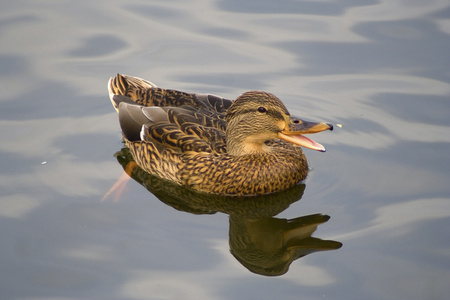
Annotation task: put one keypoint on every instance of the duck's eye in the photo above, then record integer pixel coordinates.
(262, 109)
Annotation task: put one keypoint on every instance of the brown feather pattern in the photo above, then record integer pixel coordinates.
(190, 145)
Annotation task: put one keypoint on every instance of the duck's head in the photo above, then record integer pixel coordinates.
(257, 117)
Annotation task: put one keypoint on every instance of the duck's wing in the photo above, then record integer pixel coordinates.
(145, 93)
(178, 128)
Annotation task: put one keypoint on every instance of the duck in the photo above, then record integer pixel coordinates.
(243, 147)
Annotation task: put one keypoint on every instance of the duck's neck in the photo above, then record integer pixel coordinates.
(238, 144)
(236, 148)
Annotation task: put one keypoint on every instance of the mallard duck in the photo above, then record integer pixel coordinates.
(249, 146)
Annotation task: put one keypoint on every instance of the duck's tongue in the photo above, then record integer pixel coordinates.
(302, 140)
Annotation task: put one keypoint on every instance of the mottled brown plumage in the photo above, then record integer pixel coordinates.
(212, 144)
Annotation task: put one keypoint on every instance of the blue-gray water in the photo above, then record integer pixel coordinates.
(379, 69)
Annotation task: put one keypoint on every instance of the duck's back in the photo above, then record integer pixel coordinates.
(145, 93)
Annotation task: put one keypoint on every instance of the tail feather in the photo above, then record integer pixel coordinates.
(128, 86)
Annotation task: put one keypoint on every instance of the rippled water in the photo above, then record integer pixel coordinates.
(379, 69)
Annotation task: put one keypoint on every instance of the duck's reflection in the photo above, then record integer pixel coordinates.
(263, 244)
(268, 246)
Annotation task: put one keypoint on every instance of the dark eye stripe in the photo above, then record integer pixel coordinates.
(270, 112)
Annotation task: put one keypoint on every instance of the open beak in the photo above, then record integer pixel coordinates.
(295, 129)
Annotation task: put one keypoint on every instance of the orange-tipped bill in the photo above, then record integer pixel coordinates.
(295, 129)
